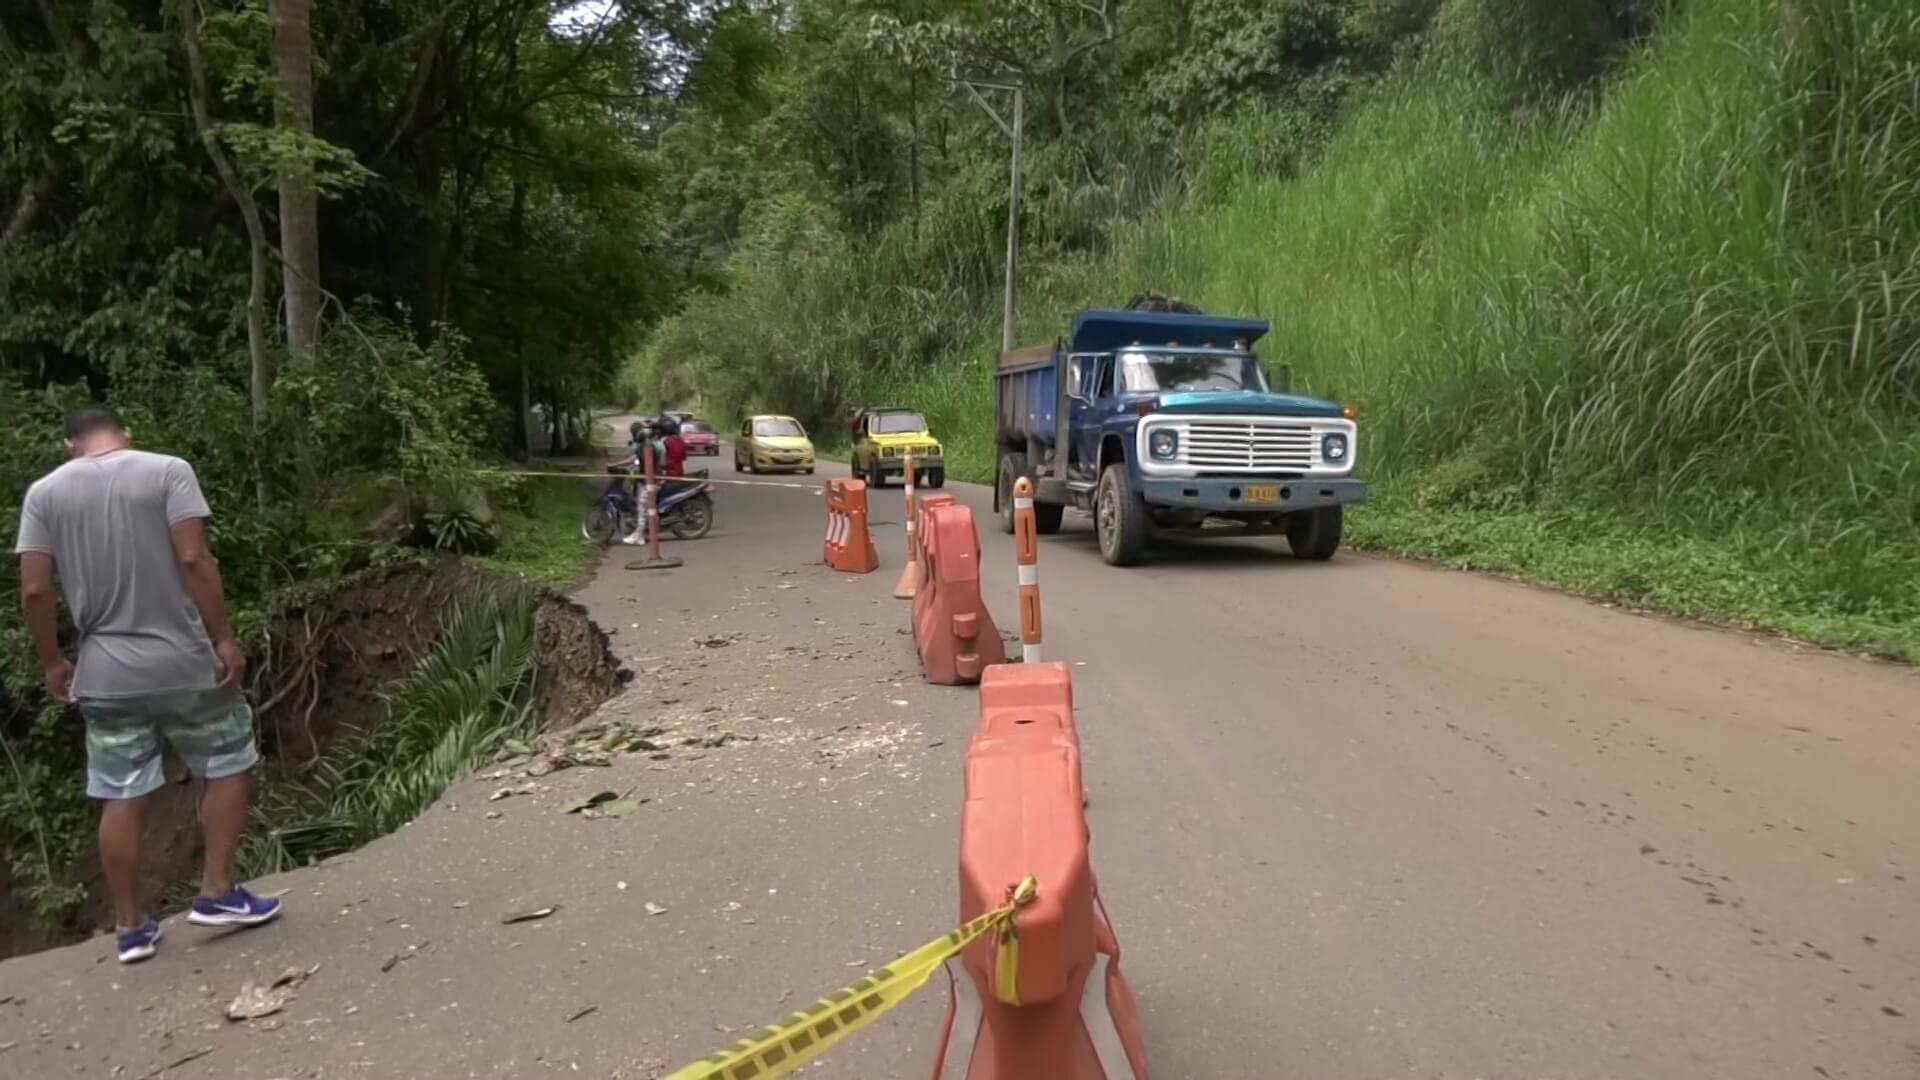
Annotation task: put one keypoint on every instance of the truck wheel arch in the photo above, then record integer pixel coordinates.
(1113, 451)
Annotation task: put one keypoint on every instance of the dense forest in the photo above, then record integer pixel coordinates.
(1625, 290)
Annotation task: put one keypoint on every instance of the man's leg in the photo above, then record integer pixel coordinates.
(213, 733)
(223, 818)
(123, 770)
(122, 823)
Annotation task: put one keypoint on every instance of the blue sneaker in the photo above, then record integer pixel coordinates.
(237, 908)
(138, 943)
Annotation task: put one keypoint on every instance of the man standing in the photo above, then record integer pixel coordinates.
(125, 532)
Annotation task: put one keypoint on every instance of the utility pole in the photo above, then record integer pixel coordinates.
(1014, 131)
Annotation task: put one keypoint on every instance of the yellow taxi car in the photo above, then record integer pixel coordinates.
(882, 439)
(772, 444)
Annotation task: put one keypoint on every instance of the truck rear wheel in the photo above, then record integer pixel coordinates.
(1315, 534)
(1120, 519)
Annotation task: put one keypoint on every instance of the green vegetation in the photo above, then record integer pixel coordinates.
(339, 256)
(542, 543)
(1624, 292)
(469, 694)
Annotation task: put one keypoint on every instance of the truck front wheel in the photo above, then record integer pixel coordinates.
(1315, 534)
(1120, 519)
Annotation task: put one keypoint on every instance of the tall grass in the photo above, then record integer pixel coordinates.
(469, 693)
(1692, 307)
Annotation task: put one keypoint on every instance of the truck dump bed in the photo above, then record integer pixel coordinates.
(1026, 397)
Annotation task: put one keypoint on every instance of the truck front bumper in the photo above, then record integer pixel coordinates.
(1251, 495)
(894, 466)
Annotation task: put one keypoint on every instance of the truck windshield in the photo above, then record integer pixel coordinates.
(776, 428)
(898, 423)
(1148, 372)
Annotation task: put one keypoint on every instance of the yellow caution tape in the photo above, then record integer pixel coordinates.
(815, 488)
(778, 1049)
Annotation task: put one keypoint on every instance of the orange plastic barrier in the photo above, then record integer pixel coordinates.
(927, 505)
(1054, 1006)
(849, 544)
(952, 629)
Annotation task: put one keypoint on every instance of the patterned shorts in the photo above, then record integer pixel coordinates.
(211, 730)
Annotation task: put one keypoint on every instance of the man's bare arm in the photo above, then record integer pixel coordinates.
(42, 610)
(202, 576)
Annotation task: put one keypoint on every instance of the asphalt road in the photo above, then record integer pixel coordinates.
(1357, 819)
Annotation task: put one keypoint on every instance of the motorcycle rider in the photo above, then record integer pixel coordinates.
(641, 433)
(673, 447)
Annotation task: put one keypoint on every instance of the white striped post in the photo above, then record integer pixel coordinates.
(1026, 552)
(909, 467)
(910, 574)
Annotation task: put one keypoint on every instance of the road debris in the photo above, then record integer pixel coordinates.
(655, 909)
(255, 1001)
(588, 1011)
(394, 960)
(508, 792)
(529, 916)
(185, 1059)
(595, 747)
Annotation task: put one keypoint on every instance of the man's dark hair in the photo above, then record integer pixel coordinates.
(91, 421)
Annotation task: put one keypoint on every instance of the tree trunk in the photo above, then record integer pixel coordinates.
(256, 236)
(299, 203)
(33, 198)
(516, 236)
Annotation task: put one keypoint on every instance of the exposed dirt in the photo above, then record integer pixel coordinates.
(317, 677)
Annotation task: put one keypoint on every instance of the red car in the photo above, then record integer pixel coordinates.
(700, 438)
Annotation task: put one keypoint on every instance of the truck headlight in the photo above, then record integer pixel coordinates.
(1333, 448)
(1163, 444)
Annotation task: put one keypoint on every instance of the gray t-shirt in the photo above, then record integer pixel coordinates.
(107, 521)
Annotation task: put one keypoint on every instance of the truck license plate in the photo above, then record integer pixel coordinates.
(1262, 494)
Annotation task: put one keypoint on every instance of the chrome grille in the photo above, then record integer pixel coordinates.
(1278, 447)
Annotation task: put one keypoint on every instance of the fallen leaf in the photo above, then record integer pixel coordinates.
(588, 1011)
(655, 909)
(618, 808)
(586, 801)
(255, 1001)
(529, 916)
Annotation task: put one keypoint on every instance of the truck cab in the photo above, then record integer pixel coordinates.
(1165, 423)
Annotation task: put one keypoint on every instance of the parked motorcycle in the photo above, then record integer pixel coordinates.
(686, 509)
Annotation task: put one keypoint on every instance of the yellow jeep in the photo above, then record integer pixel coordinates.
(882, 439)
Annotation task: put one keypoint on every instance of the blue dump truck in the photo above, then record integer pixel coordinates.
(1160, 422)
